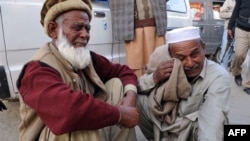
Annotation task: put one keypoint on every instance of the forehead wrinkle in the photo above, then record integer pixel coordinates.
(75, 15)
(186, 45)
(179, 50)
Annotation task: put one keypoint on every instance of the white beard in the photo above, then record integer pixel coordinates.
(78, 57)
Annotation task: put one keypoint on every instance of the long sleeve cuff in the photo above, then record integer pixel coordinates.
(130, 87)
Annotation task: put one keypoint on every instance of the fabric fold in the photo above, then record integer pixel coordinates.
(164, 98)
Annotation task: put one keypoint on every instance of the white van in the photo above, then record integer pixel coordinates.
(21, 34)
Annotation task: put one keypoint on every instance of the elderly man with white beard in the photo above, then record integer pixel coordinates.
(68, 92)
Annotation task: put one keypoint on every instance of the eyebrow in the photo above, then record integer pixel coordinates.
(85, 25)
(79, 23)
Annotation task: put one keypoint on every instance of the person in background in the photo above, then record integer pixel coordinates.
(68, 92)
(216, 11)
(225, 13)
(240, 21)
(183, 96)
(142, 25)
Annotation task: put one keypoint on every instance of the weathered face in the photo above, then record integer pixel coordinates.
(192, 55)
(70, 34)
(76, 27)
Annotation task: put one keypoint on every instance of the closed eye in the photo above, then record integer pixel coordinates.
(195, 53)
(80, 26)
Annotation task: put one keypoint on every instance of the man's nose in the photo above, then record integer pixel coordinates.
(84, 34)
(189, 62)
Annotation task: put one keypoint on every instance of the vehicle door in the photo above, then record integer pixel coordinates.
(101, 30)
(216, 25)
(23, 35)
(199, 14)
(211, 27)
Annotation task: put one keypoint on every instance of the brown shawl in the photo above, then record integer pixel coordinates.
(164, 98)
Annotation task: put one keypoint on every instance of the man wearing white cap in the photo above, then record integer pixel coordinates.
(183, 95)
(69, 93)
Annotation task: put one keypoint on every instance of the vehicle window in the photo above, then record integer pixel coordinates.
(216, 10)
(177, 6)
(197, 11)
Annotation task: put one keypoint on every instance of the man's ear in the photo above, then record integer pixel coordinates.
(53, 29)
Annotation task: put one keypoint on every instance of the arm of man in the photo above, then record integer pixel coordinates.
(158, 69)
(226, 10)
(129, 99)
(107, 70)
(214, 111)
(161, 74)
(232, 20)
(59, 107)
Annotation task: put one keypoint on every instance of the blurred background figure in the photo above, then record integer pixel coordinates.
(240, 21)
(142, 25)
(225, 13)
(216, 11)
(196, 11)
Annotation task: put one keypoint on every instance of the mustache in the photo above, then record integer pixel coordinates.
(191, 68)
(81, 43)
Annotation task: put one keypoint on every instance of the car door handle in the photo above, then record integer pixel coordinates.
(216, 26)
(99, 14)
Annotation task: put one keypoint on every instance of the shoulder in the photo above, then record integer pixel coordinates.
(160, 54)
(97, 58)
(215, 70)
(214, 77)
(161, 51)
(41, 52)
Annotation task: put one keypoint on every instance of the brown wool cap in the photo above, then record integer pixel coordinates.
(53, 8)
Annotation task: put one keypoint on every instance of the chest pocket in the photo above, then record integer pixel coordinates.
(192, 103)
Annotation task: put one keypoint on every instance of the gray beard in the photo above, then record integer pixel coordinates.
(78, 57)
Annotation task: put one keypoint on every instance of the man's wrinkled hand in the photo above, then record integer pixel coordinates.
(129, 99)
(230, 33)
(163, 71)
(129, 116)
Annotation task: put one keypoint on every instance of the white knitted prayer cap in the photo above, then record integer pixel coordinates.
(183, 34)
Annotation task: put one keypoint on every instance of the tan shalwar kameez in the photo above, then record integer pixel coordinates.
(201, 117)
(145, 40)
